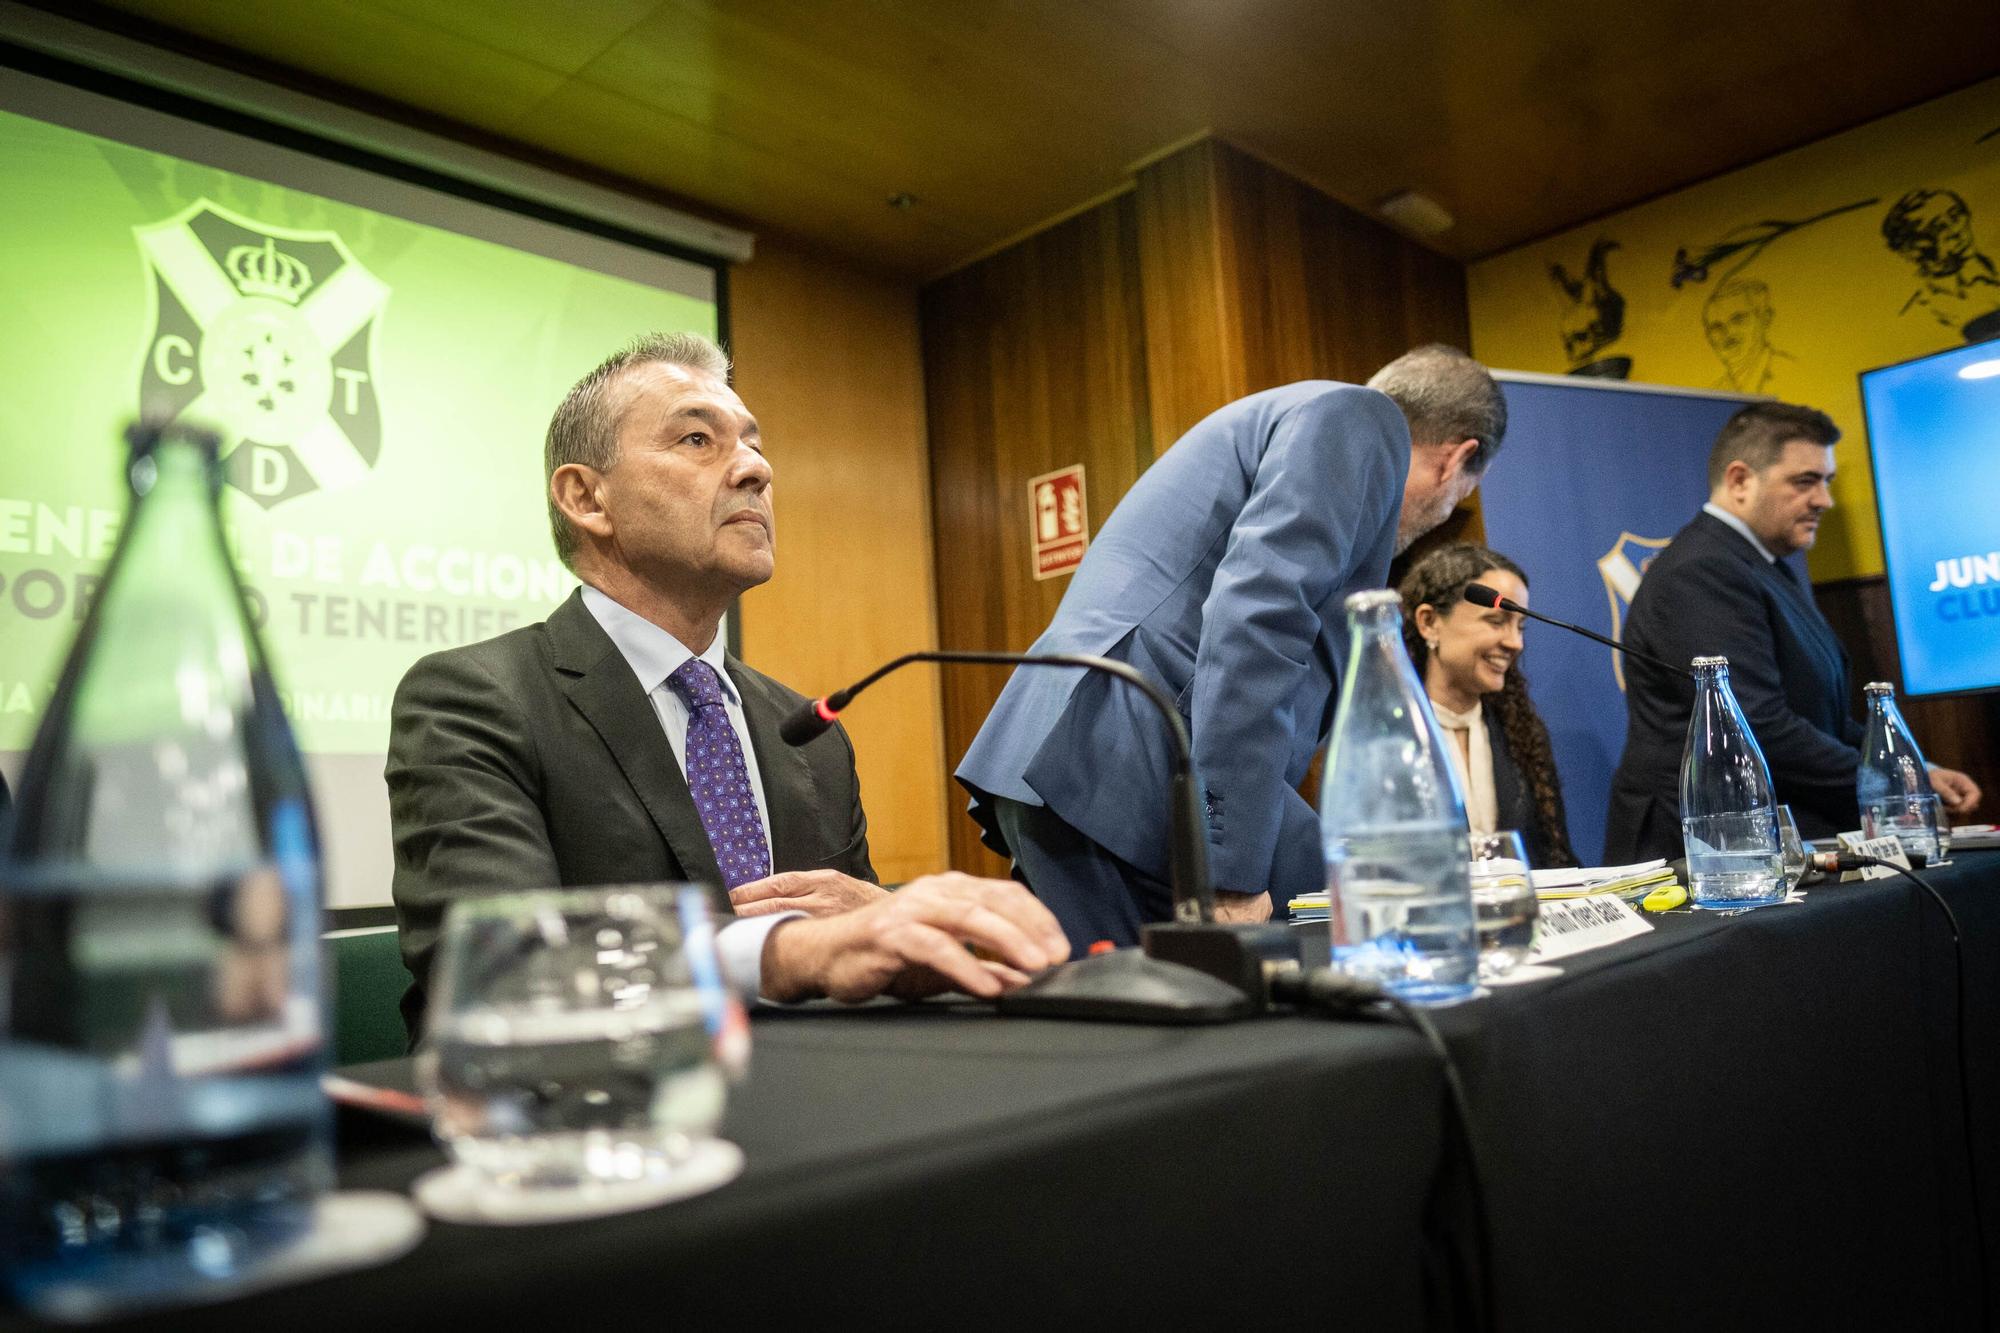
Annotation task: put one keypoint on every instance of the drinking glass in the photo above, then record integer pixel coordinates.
(1503, 901)
(574, 1055)
(1942, 822)
(1791, 848)
(1910, 820)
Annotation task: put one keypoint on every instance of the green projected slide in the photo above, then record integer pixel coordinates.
(381, 387)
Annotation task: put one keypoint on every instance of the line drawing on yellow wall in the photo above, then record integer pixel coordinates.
(1956, 283)
(1747, 240)
(1737, 321)
(1592, 315)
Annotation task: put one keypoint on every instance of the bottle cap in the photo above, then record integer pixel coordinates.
(1878, 687)
(1701, 662)
(1373, 599)
(149, 433)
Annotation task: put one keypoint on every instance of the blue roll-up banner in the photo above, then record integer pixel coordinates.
(1595, 478)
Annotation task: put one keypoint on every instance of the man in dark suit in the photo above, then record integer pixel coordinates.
(1725, 585)
(1221, 574)
(617, 742)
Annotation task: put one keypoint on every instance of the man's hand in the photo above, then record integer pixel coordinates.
(1959, 793)
(912, 943)
(1242, 907)
(814, 892)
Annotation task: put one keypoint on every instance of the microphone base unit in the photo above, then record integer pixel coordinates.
(1185, 973)
(1243, 955)
(1126, 986)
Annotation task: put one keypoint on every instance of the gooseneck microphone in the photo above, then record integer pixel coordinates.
(1192, 969)
(1194, 898)
(1481, 595)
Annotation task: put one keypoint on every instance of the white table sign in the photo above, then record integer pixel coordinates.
(1574, 925)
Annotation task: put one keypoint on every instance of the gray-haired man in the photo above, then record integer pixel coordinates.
(1221, 574)
(617, 741)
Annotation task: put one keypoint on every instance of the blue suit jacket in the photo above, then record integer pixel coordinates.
(1221, 574)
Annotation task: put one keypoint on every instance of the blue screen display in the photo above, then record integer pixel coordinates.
(1934, 436)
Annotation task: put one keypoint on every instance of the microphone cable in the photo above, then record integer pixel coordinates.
(1836, 862)
(1326, 993)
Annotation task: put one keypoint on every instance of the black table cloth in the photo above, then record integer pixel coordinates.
(1747, 1121)
(1750, 1121)
(942, 1166)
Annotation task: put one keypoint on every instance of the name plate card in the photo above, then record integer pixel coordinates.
(1887, 849)
(1577, 925)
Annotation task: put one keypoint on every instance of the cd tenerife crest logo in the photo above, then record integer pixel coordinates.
(1622, 567)
(266, 334)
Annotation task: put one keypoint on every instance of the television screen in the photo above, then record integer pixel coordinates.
(381, 356)
(1934, 437)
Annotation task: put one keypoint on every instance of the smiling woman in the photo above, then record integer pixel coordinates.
(1468, 658)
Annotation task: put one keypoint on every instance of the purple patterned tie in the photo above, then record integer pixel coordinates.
(717, 779)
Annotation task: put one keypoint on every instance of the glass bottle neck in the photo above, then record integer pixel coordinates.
(1376, 621)
(174, 518)
(174, 467)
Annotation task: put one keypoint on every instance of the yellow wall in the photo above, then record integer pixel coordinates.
(1839, 299)
(827, 359)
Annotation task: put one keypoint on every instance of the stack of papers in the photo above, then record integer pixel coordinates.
(1974, 837)
(1631, 882)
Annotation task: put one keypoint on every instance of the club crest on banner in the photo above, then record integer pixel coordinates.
(1622, 567)
(267, 335)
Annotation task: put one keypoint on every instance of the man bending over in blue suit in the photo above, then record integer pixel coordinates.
(1221, 575)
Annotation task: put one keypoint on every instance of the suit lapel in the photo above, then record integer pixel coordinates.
(1812, 627)
(601, 686)
(791, 797)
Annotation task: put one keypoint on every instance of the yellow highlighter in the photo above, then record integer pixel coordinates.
(1665, 898)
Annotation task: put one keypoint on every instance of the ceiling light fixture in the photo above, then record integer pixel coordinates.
(1417, 213)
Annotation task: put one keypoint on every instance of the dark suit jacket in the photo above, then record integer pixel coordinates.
(534, 760)
(1711, 592)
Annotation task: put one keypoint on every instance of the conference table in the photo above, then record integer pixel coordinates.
(1732, 1121)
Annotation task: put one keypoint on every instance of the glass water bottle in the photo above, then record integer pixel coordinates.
(1392, 819)
(1893, 784)
(1729, 814)
(161, 1010)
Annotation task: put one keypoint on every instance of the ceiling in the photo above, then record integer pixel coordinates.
(809, 116)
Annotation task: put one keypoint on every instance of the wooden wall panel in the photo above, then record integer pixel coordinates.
(1194, 356)
(1103, 339)
(827, 358)
(1254, 279)
(1033, 361)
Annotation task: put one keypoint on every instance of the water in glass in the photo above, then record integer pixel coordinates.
(573, 1037)
(1733, 860)
(1503, 901)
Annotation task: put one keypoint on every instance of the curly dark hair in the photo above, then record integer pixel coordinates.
(1439, 580)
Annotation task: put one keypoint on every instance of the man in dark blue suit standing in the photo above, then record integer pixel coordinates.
(1221, 575)
(1725, 586)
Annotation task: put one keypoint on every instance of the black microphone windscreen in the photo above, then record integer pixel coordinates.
(1481, 595)
(804, 725)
